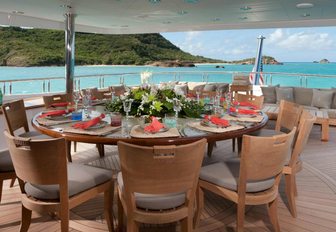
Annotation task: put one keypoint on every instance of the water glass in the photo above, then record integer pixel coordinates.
(127, 104)
(177, 106)
(76, 115)
(170, 121)
(76, 97)
(116, 119)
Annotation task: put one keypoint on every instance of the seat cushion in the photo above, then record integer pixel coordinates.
(322, 98)
(34, 135)
(303, 96)
(284, 93)
(6, 164)
(269, 93)
(226, 174)
(209, 87)
(80, 178)
(155, 201)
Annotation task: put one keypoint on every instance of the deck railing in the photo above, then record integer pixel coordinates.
(57, 84)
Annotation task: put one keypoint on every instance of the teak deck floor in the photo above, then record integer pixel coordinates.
(316, 201)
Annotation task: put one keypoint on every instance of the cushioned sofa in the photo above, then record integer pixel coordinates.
(320, 102)
(191, 87)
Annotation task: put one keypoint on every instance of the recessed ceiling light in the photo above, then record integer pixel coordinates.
(304, 5)
(17, 12)
(66, 6)
(245, 8)
(243, 18)
(182, 12)
(154, 1)
(305, 15)
(166, 22)
(191, 1)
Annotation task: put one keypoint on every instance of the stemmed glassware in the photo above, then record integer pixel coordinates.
(198, 92)
(86, 103)
(127, 104)
(177, 106)
(76, 97)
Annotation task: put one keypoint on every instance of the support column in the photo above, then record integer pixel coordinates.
(69, 51)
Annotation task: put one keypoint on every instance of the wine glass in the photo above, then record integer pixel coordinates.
(198, 92)
(177, 106)
(86, 103)
(112, 94)
(127, 104)
(76, 97)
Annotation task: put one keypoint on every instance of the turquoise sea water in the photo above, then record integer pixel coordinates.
(160, 74)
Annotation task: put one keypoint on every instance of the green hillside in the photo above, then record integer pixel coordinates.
(37, 47)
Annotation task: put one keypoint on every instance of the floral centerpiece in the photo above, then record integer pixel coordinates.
(151, 100)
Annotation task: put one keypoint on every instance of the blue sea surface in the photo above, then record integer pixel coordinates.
(201, 72)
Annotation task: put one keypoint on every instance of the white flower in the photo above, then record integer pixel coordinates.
(145, 77)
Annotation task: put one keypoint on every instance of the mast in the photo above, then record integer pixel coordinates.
(69, 51)
(255, 76)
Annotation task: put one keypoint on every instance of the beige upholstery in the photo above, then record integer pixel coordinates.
(155, 201)
(226, 174)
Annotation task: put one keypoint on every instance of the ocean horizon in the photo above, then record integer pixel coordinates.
(163, 74)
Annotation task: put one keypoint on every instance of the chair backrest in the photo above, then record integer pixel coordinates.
(39, 161)
(57, 98)
(255, 100)
(288, 116)
(160, 169)
(268, 162)
(118, 89)
(305, 125)
(94, 93)
(15, 114)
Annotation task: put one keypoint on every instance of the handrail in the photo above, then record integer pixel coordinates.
(176, 76)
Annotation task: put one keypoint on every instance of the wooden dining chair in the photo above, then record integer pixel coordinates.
(57, 98)
(252, 180)
(6, 169)
(16, 120)
(49, 184)
(117, 89)
(157, 184)
(95, 93)
(288, 116)
(294, 163)
(255, 100)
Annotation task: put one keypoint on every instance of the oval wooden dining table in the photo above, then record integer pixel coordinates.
(186, 133)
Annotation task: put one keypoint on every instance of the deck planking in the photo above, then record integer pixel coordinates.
(316, 201)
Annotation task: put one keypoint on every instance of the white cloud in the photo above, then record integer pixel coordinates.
(191, 35)
(301, 41)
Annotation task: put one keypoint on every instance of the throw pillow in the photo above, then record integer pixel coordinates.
(269, 93)
(209, 87)
(333, 104)
(284, 93)
(303, 96)
(322, 98)
(181, 89)
(224, 87)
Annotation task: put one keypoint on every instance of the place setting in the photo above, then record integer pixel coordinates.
(95, 126)
(155, 129)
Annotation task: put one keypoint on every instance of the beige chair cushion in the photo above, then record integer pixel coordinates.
(209, 87)
(34, 135)
(181, 89)
(155, 202)
(226, 174)
(80, 178)
(6, 164)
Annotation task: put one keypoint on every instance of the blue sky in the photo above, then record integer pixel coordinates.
(284, 44)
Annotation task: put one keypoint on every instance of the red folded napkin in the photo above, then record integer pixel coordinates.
(53, 113)
(242, 111)
(155, 126)
(249, 104)
(217, 121)
(88, 124)
(59, 104)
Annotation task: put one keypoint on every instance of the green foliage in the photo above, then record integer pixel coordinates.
(156, 102)
(39, 47)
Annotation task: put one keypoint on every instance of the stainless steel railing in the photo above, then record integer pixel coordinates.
(47, 84)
